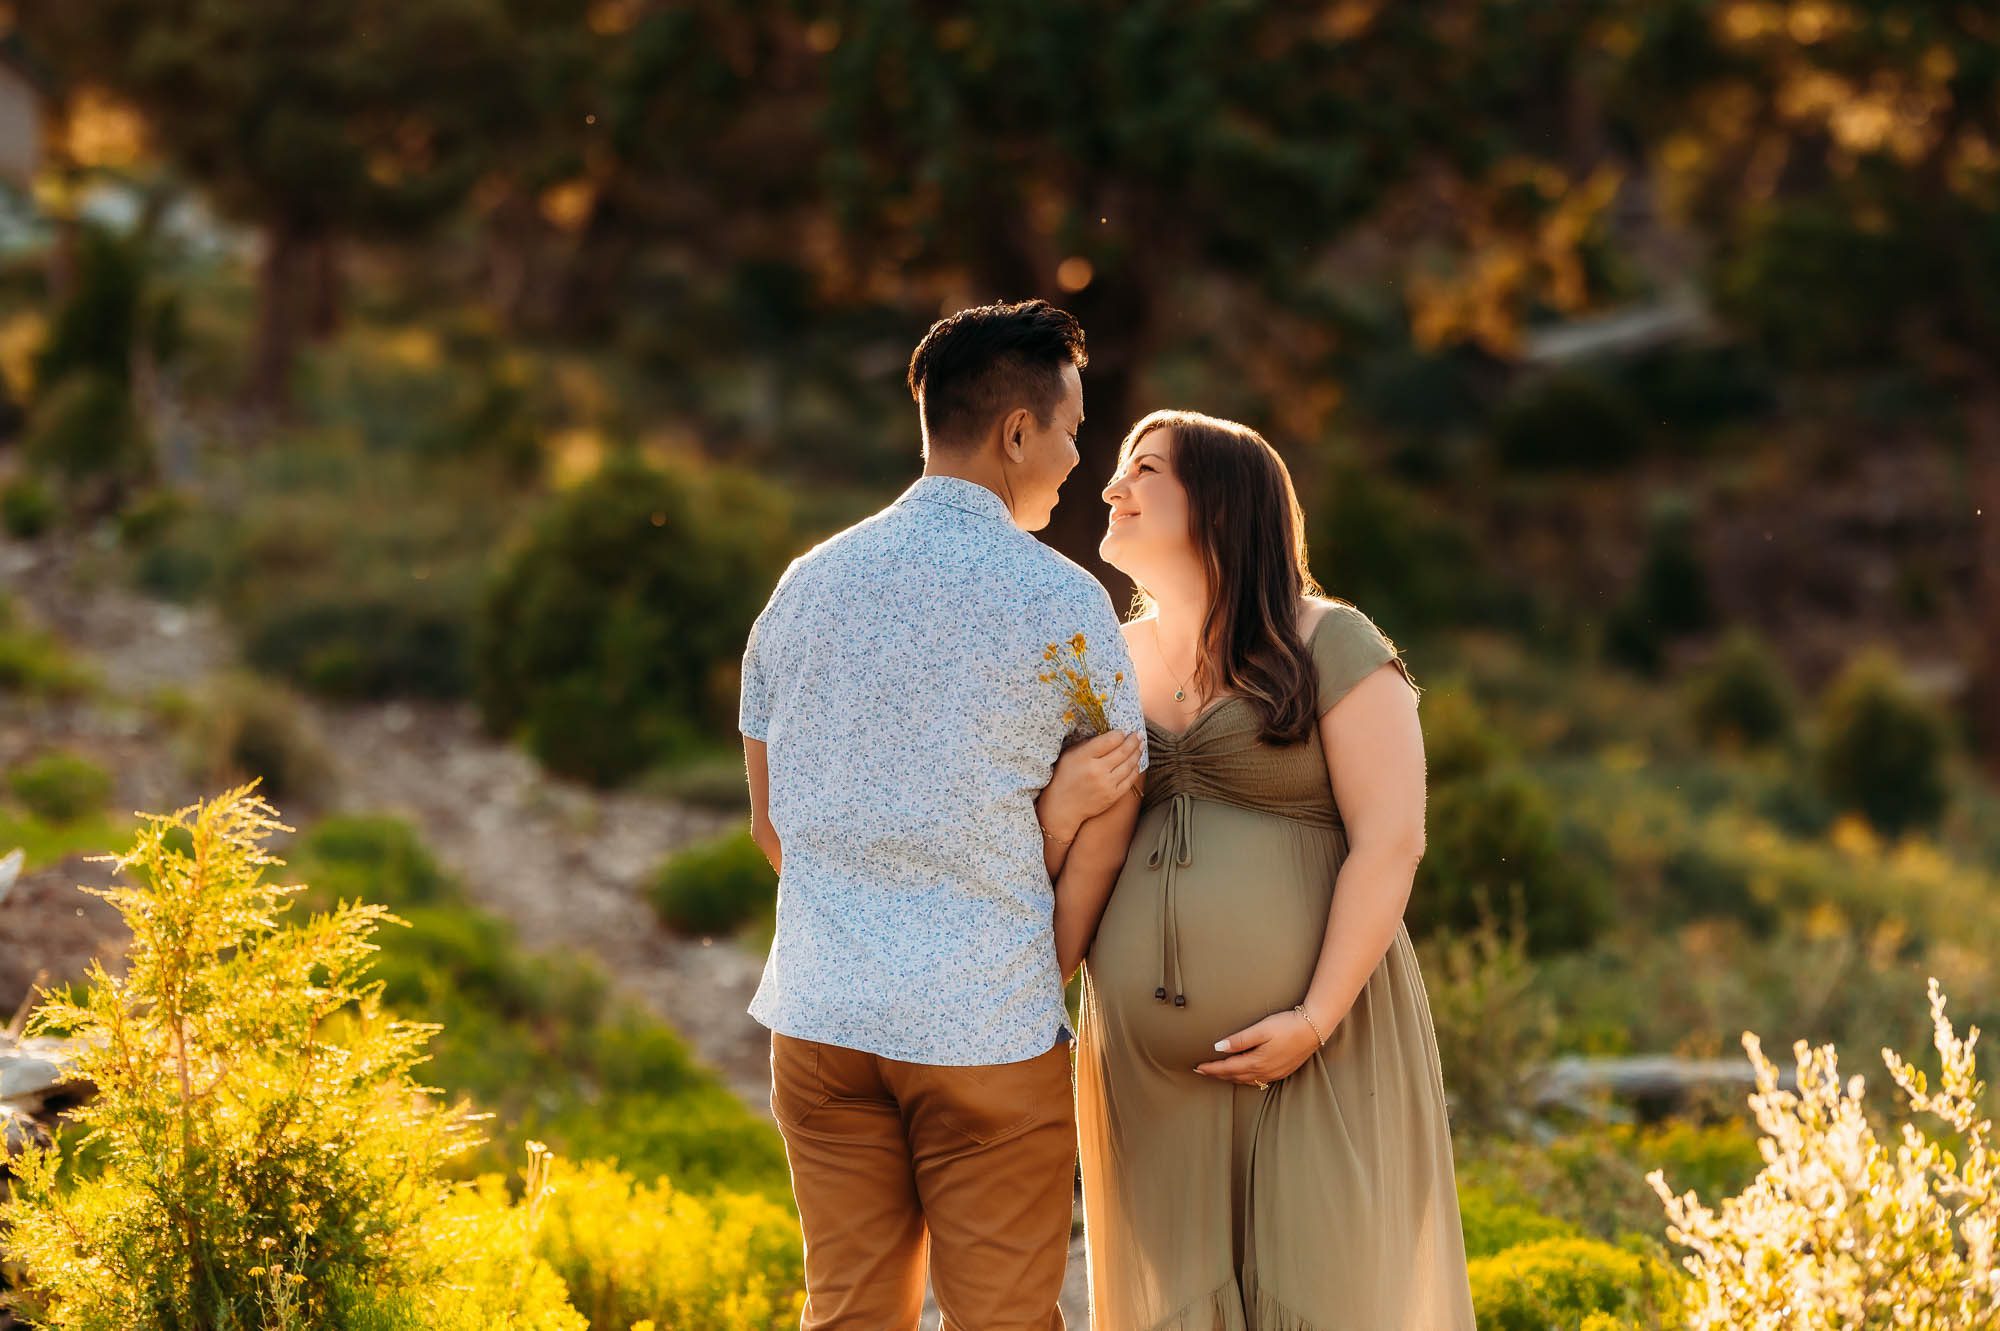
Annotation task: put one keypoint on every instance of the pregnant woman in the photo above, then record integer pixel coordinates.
(1259, 1108)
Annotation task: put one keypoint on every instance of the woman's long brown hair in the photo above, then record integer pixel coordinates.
(1244, 518)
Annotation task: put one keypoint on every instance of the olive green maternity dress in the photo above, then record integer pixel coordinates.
(1327, 1202)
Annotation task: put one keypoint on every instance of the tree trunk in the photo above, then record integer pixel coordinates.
(1983, 449)
(279, 312)
(324, 288)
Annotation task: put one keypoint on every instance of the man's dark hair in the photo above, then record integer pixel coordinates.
(989, 359)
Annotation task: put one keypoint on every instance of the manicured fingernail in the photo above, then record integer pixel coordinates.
(1222, 1046)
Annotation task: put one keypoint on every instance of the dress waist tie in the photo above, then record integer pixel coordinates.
(1173, 850)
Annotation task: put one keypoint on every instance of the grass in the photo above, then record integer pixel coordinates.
(538, 1039)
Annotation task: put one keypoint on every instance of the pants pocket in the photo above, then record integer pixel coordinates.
(797, 1089)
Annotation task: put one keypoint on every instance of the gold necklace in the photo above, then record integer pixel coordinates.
(1180, 686)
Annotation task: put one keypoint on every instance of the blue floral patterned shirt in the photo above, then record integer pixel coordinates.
(894, 676)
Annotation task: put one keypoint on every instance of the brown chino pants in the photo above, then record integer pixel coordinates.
(975, 1164)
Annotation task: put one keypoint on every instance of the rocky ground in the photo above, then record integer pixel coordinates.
(566, 864)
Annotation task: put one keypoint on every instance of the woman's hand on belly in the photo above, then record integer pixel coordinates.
(1269, 1051)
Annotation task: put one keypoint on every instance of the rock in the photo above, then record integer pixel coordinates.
(18, 1132)
(35, 1074)
(1659, 1082)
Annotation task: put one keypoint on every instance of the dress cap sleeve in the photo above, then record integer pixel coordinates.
(1347, 648)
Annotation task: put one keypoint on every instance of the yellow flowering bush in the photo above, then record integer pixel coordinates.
(258, 1154)
(634, 1252)
(1842, 1229)
(1559, 1282)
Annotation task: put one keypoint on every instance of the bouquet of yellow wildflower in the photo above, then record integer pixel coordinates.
(1068, 668)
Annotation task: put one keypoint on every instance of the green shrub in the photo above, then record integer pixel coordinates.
(33, 662)
(26, 508)
(1558, 1282)
(715, 888)
(1701, 883)
(365, 642)
(1459, 743)
(1883, 749)
(1494, 851)
(84, 430)
(1493, 1028)
(95, 329)
(61, 787)
(1743, 696)
(1568, 419)
(245, 728)
(1593, 1180)
(610, 639)
(174, 551)
(654, 1254)
(492, 422)
(1669, 598)
(1492, 1225)
(259, 1134)
(365, 857)
(43, 842)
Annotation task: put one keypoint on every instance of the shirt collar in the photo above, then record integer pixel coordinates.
(953, 492)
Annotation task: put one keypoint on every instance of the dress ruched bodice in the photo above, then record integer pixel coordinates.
(1220, 758)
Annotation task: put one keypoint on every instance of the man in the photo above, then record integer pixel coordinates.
(896, 733)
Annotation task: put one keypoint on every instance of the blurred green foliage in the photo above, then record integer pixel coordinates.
(242, 726)
(33, 663)
(1670, 597)
(1562, 1281)
(1883, 749)
(610, 638)
(1495, 851)
(537, 1038)
(717, 887)
(1571, 419)
(61, 787)
(1742, 697)
(27, 509)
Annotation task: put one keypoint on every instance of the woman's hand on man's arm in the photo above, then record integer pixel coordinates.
(1089, 778)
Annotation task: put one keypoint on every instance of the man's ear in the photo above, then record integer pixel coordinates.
(1013, 432)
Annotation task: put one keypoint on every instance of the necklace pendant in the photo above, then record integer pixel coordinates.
(1180, 695)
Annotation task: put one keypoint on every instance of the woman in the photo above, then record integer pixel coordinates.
(1259, 1108)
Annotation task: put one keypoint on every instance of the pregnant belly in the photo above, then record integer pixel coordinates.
(1251, 906)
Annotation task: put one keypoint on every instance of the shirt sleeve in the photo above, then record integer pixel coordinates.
(753, 702)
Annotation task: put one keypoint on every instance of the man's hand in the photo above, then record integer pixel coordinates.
(1088, 779)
